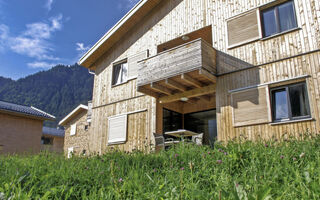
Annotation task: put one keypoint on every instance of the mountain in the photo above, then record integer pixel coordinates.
(56, 91)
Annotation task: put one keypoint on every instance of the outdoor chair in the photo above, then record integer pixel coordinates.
(161, 142)
(197, 139)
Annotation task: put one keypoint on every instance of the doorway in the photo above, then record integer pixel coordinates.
(200, 122)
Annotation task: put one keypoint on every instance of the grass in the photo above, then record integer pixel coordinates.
(239, 170)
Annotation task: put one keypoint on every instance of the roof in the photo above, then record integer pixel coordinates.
(52, 131)
(134, 16)
(73, 113)
(22, 110)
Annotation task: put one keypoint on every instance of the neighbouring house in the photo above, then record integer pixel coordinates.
(52, 139)
(21, 128)
(77, 130)
(222, 68)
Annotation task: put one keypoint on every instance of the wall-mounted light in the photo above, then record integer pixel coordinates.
(185, 38)
(184, 99)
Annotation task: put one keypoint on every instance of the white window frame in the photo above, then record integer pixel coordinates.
(73, 129)
(122, 62)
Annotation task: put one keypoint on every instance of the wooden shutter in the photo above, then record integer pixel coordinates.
(117, 129)
(243, 28)
(133, 63)
(251, 106)
(73, 129)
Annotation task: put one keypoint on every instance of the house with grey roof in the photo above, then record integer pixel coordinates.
(21, 128)
(52, 139)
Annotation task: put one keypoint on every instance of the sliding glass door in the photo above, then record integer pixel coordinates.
(202, 122)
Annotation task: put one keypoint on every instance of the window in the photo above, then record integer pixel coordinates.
(278, 19)
(172, 121)
(73, 129)
(86, 127)
(46, 141)
(117, 129)
(120, 73)
(290, 102)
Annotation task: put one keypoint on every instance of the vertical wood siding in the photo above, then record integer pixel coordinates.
(174, 18)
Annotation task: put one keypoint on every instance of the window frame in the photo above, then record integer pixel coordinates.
(121, 62)
(123, 140)
(286, 88)
(275, 9)
(71, 129)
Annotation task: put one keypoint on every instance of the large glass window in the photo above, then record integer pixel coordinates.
(290, 102)
(120, 73)
(172, 121)
(278, 19)
(202, 122)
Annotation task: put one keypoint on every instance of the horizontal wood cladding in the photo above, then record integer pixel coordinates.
(185, 58)
(251, 106)
(243, 28)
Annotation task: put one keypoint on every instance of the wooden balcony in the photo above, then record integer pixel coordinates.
(184, 73)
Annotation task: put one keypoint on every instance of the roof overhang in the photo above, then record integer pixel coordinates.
(72, 114)
(25, 115)
(140, 10)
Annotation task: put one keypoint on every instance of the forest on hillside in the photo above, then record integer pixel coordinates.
(56, 91)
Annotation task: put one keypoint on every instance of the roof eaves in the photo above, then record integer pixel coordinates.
(116, 27)
(44, 113)
(81, 106)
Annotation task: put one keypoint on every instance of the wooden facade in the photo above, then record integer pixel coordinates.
(247, 62)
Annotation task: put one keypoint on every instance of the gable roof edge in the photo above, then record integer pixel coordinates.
(84, 60)
(64, 120)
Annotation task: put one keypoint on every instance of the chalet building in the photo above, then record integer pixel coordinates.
(52, 139)
(222, 68)
(21, 128)
(77, 130)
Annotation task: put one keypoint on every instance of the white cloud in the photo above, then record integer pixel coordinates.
(81, 47)
(48, 5)
(41, 65)
(34, 41)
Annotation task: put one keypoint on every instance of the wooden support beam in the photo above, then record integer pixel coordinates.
(189, 94)
(148, 92)
(160, 88)
(208, 75)
(206, 98)
(176, 85)
(191, 80)
(192, 101)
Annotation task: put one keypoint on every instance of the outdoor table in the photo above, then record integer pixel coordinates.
(181, 133)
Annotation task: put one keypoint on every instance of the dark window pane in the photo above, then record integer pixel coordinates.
(287, 16)
(280, 105)
(299, 101)
(269, 22)
(116, 78)
(172, 121)
(202, 122)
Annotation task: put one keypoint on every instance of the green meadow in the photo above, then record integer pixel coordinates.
(239, 170)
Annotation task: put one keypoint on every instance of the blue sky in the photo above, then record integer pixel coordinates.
(38, 34)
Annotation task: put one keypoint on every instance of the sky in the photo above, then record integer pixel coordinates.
(36, 35)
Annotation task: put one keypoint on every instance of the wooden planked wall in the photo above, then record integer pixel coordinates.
(172, 19)
(298, 66)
